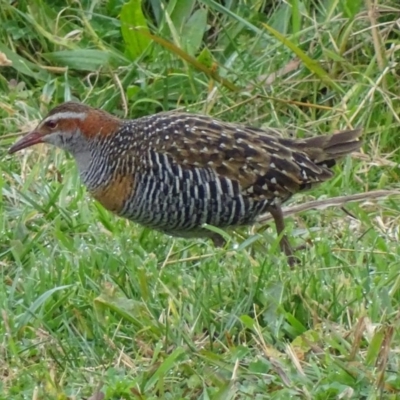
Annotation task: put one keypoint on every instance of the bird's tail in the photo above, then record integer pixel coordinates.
(326, 149)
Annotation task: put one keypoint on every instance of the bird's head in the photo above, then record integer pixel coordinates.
(70, 126)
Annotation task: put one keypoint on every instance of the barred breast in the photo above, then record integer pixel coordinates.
(180, 200)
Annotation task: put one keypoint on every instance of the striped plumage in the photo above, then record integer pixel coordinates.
(176, 171)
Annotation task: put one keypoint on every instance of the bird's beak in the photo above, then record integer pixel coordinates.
(28, 140)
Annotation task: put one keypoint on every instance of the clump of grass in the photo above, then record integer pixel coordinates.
(93, 305)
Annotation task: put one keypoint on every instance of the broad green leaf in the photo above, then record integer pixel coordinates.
(281, 18)
(128, 309)
(132, 91)
(82, 60)
(247, 321)
(132, 17)
(375, 347)
(194, 29)
(261, 366)
(206, 58)
(181, 12)
(313, 65)
(158, 10)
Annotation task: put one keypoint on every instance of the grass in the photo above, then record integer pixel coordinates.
(93, 306)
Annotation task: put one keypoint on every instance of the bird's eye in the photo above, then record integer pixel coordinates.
(51, 124)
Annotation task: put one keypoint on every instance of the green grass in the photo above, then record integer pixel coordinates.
(91, 304)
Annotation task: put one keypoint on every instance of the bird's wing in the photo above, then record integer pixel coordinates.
(264, 165)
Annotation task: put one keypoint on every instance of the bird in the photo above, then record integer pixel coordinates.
(178, 172)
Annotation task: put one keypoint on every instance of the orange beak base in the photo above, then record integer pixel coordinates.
(28, 140)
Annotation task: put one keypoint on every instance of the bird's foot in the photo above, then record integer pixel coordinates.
(218, 240)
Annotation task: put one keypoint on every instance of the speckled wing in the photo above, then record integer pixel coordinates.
(265, 165)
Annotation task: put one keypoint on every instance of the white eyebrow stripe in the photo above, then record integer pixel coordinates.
(66, 115)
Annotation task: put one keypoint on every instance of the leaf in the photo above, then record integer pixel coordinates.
(313, 65)
(247, 321)
(130, 310)
(124, 307)
(194, 29)
(206, 58)
(81, 60)
(260, 366)
(132, 91)
(374, 347)
(181, 12)
(132, 17)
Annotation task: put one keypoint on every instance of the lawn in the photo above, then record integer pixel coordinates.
(96, 307)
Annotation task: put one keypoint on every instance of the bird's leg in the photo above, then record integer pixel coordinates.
(277, 215)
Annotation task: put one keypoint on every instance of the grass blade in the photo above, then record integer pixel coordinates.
(313, 65)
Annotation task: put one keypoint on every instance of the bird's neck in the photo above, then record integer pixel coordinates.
(98, 164)
(103, 157)
(93, 166)
(83, 160)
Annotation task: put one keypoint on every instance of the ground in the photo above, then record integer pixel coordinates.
(93, 306)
